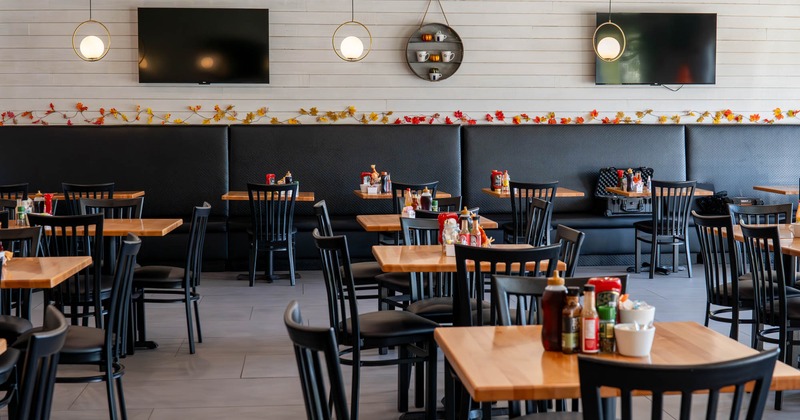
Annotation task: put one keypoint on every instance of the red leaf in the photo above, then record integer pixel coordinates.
(551, 121)
(447, 120)
(489, 117)
(472, 122)
(69, 122)
(398, 121)
(500, 116)
(458, 114)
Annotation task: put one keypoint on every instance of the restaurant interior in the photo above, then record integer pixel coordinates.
(417, 209)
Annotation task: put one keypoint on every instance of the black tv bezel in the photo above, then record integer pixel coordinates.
(601, 17)
(264, 81)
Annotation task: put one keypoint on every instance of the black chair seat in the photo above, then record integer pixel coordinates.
(365, 272)
(647, 227)
(438, 307)
(792, 307)
(391, 324)
(398, 281)
(8, 360)
(746, 292)
(277, 245)
(12, 327)
(158, 277)
(82, 341)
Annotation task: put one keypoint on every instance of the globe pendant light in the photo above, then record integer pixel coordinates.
(92, 46)
(609, 40)
(351, 48)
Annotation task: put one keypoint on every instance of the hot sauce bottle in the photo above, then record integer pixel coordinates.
(590, 323)
(571, 322)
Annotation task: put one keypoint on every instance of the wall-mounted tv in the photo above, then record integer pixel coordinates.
(662, 49)
(189, 45)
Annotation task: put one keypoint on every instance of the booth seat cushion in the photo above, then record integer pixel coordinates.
(581, 221)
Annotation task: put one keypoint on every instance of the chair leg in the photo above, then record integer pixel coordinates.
(356, 382)
(708, 313)
(197, 318)
(637, 258)
(403, 379)
(121, 395)
(419, 384)
(654, 251)
(676, 260)
(109, 379)
(290, 251)
(189, 326)
(449, 393)
(735, 323)
(431, 372)
(252, 263)
(688, 256)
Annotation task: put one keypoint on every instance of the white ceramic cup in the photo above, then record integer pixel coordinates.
(423, 56)
(642, 316)
(435, 76)
(448, 56)
(632, 342)
(439, 36)
(364, 188)
(796, 230)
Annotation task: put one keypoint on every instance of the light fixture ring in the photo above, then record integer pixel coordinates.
(612, 26)
(366, 50)
(107, 43)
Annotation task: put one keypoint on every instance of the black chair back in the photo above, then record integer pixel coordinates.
(421, 232)
(272, 211)
(70, 236)
(720, 259)
(339, 286)
(14, 191)
(761, 214)
(38, 375)
(449, 204)
(671, 204)
(74, 192)
(5, 218)
(527, 293)
(112, 208)
(23, 242)
(628, 377)
(197, 238)
(309, 343)
(471, 275)
(399, 190)
(521, 194)
(10, 206)
(538, 222)
(571, 242)
(116, 332)
(762, 246)
(323, 219)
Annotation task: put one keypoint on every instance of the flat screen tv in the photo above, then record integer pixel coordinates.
(189, 45)
(662, 49)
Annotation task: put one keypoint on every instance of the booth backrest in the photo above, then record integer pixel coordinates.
(328, 159)
(572, 155)
(178, 167)
(735, 158)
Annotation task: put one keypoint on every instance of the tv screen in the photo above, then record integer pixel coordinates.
(187, 45)
(662, 48)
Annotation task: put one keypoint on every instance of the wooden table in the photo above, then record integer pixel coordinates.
(388, 196)
(790, 245)
(117, 194)
(778, 189)
(509, 363)
(41, 272)
(560, 192)
(391, 222)
(121, 227)
(243, 196)
(698, 192)
(430, 258)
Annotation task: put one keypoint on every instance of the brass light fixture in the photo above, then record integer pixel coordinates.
(351, 48)
(92, 47)
(609, 39)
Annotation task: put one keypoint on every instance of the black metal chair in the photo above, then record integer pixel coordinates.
(80, 235)
(272, 213)
(537, 232)
(5, 217)
(10, 206)
(112, 208)
(74, 192)
(721, 264)
(777, 316)
(15, 304)
(761, 214)
(309, 343)
(14, 191)
(399, 189)
(571, 242)
(363, 272)
(521, 194)
(166, 280)
(669, 224)
(685, 380)
(449, 204)
(28, 370)
(362, 331)
(104, 347)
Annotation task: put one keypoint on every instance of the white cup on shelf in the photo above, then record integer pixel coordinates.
(423, 56)
(448, 56)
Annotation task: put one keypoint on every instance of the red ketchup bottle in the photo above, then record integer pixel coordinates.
(553, 300)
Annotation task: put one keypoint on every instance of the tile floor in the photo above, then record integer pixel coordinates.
(245, 368)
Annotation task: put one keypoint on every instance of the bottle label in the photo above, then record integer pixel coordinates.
(570, 334)
(590, 330)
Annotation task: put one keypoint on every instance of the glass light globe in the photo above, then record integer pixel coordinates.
(352, 47)
(608, 48)
(92, 47)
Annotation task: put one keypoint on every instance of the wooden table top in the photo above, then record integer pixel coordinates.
(429, 258)
(698, 192)
(3, 345)
(41, 272)
(387, 196)
(509, 363)
(391, 222)
(117, 194)
(560, 192)
(243, 196)
(790, 245)
(140, 227)
(778, 189)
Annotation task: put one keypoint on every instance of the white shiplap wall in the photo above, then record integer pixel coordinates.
(521, 56)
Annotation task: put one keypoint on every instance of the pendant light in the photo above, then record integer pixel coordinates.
(95, 39)
(351, 48)
(609, 39)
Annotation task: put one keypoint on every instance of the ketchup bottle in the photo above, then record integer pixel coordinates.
(553, 299)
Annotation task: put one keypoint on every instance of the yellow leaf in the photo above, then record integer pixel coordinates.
(303, 111)
(662, 119)
(217, 118)
(207, 121)
(166, 116)
(676, 119)
(322, 119)
(178, 121)
(231, 118)
(716, 120)
(274, 120)
(344, 114)
(385, 119)
(124, 117)
(390, 113)
(149, 111)
(373, 117)
(701, 119)
(364, 119)
(314, 111)
(262, 112)
(351, 110)
(150, 119)
(620, 114)
(639, 114)
(293, 121)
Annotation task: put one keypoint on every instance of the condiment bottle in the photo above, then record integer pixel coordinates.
(20, 213)
(571, 322)
(506, 189)
(415, 200)
(590, 323)
(425, 199)
(608, 315)
(463, 234)
(287, 179)
(475, 232)
(408, 200)
(552, 307)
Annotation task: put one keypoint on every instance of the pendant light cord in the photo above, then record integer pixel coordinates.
(352, 11)
(90, 9)
(609, 10)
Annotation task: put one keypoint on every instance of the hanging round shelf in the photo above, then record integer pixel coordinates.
(434, 52)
